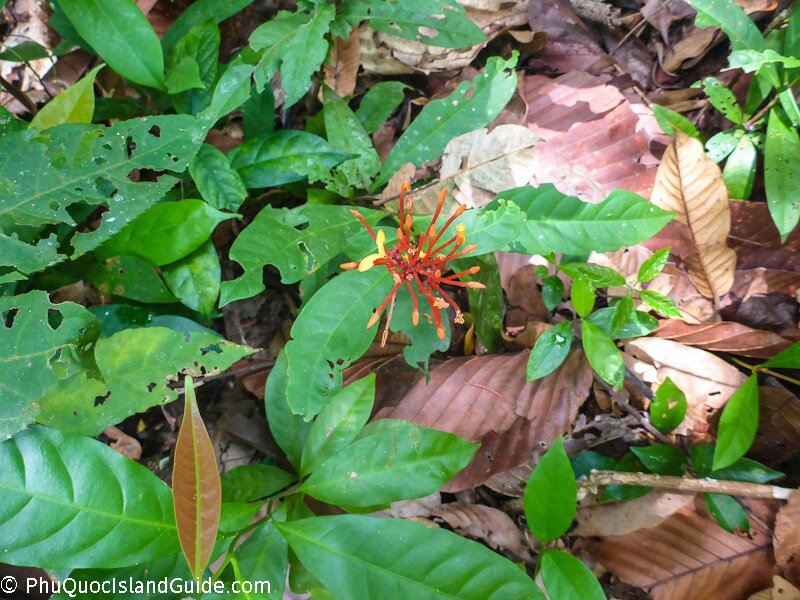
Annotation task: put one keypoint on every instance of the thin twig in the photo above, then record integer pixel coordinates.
(19, 95)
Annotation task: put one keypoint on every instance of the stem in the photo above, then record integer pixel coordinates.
(19, 95)
(754, 368)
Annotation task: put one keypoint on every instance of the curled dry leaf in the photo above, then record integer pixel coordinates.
(487, 399)
(123, 443)
(689, 556)
(619, 518)
(724, 337)
(778, 435)
(780, 590)
(486, 524)
(343, 64)
(707, 381)
(787, 539)
(691, 185)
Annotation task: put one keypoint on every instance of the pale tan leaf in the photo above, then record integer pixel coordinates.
(690, 557)
(342, 67)
(724, 337)
(196, 487)
(619, 518)
(691, 185)
(787, 538)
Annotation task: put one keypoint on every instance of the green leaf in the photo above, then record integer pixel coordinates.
(44, 345)
(85, 167)
(785, 359)
(629, 463)
(195, 278)
(274, 238)
(598, 275)
(559, 223)
(670, 121)
(230, 92)
(588, 461)
(653, 266)
(394, 559)
(723, 100)
(550, 350)
(552, 291)
(253, 482)
(639, 324)
(199, 12)
(167, 232)
(285, 156)
(668, 407)
(262, 557)
(780, 172)
(402, 463)
(486, 305)
(447, 118)
(135, 369)
(751, 61)
(73, 105)
(789, 105)
(121, 35)
(723, 143)
(288, 429)
(740, 169)
(441, 23)
(603, 354)
(661, 459)
(551, 497)
(25, 51)
(623, 311)
(582, 296)
(567, 578)
(702, 456)
(727, 512)
(659, 303)
(258, 113)
(69, 520)
(379, 102)
(192, 68)
(329, 334)
(338, 423)
(183, 75)
(424, 338)
(728, 16)
(294, 44)
(746, 469)
(130, 277)
(738, 424)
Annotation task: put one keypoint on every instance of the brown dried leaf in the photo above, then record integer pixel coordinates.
(196, 487)
(485, 524)
(756, 240)
(724, 337)
(123, 443)
(689, 557)
(780, 590)
(675, 284)
(691, 185)
(342, 67)
(778, 435)
(619, 518)
(787, 538)
(487, 399)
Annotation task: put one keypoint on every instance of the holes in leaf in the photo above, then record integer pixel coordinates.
(151, 386)
(155, 131)
(99, 160)
(54, 318)
(130, 146)
(9, 316)
(215, 348)
(99, 400)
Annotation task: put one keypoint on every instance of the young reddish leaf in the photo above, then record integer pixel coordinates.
(196, 487)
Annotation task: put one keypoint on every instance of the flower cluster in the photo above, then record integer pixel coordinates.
(419, 266)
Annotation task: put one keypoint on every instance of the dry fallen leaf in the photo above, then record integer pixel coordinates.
(724, 337)
(780, 590)
(123, 443)
(341, 69)
(787, 538)
(778, 435)
(756, 240)
(691, 185)
(619, 518)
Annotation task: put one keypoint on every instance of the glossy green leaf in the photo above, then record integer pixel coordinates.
(195, 279)
(44, 345)
(121, 35)
(623, 310)
(71, 522)
(230, 92)
(740, 169)
(199, 12)
(25, 51)
(487, 305)
(285, 156)
(183, 75)
(670, 121)
(723, 100)
(603, 355)
(130, 277)
(738, 424)
(785, 359)
(723, 143)
(789, 105)
(394, 559)
(447, 118)
(275, 237)
(253, 482)
(598, 275)
(135, 368)
(751, 61)
(550, 497)
(727, 512)
(582, 296)
(702, 456)
(746, 469)
(560, 223)
(781, 178)
(262, 558)
(661, 459)
(288, 429)
(639, 324)
(629, 463)
(402, 463)
(728, 16)
(338, 423)
(294, 44)
(588, 461)
(552, 291)
(567, 578)
(653, 266)
(192, 68)
(668, 407)
(380, 101)
(550, 350)
(660, 303)
(167, 232)
(258, 113)
(73, 105)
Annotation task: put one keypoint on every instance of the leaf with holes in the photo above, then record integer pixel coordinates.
(668, 407)
(71, 522)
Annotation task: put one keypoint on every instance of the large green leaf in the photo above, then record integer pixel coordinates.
(200, 12)
(262, 558)
(433, 22)
(73, 502)
(122, 36)
(442, 120)
(359, 557)
(252, 482)
(737, 425)
(86, 166)
(400, 463)
(560, 223)
(280, 157)
(551, 494)
(218, 183)
(782, 148)
(136, 367)
(785, 359)
(274, 238)
(567, 578)
(73, 105)
(294, 44)
(44, 344)
(288, 429)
